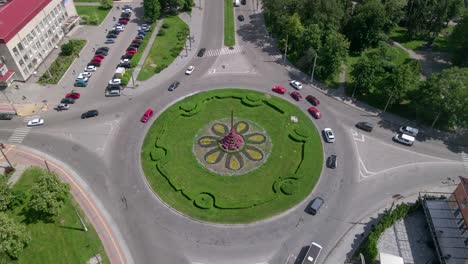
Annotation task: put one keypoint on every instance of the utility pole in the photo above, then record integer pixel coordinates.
(133, 81)
(313, 68)
(9, 101)
(286, 49)
(388, 102)
(81, 220)
(435, 120)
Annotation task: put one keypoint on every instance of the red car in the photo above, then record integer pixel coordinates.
(132, 48)
(296, 95)
(73, 95)
(100, 55)
(147, 115)
(314, 112)
(313, 100)
(136, 41)
(123, 21)
(96, 58)
(279, 89)
(130, 52)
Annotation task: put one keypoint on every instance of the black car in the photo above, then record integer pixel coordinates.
(140, 37)
(240, 17)
(243, 2)
(90, 113)
(111, 87)
(126, 14)
(173, 86)
(111, 36)
(67, 101)
(129, 56)
(332, 163)
(130, 49)
(134, 45)
(201, 52)
(103, 48)
(124, 18)
(125, 65)
(115, 32)
(94, 63)
(110, 41)
(103, 52)
(366, 126)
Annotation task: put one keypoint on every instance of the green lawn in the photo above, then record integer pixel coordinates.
(229, 37)
(92, 15)
(136, 58)
(166, 47)
(440, 43)
(59, 242)
(286, 177)
(58, 68)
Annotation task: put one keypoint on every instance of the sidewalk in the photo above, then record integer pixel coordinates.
(22, 158)
(356, 233)
(154, 33)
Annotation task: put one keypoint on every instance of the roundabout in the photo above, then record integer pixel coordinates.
(232, 156)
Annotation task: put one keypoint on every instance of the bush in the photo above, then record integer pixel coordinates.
(159, 68)
(166, 25)
(161, 32)
(67, 49)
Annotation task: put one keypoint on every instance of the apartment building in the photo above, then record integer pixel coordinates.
(30, 30)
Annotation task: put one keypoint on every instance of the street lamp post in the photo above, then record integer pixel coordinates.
(286, 49)
(313, 68)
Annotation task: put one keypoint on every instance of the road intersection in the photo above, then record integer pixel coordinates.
(105, 153)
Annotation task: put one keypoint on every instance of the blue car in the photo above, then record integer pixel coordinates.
(80, 83)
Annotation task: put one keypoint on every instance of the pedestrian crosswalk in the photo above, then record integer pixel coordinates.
(21, 132)
(223, 51)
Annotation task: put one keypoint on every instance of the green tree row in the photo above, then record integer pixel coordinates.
(154, 8)
(48, 196)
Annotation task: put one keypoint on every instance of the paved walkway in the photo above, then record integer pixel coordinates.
(154, 33)
(22, 158)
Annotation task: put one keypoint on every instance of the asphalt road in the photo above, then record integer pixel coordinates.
(105, 152)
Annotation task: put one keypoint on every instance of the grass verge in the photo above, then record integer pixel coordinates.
(440, 43)
(184, 181)
(92, 15)
(136, 58)
(166, 47)
(59, 242)
(229, 37)
(58, 68)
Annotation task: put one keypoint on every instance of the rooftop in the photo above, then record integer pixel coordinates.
(464, 182)
(15, 14)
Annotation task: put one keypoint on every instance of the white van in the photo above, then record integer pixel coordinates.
(404, 139)
(236, 2)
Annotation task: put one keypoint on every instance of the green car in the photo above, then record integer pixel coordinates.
(80, 83)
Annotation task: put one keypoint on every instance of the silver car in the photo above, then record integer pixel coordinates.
(409, 130)
(329, 135)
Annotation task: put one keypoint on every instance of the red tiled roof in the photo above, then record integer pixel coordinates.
(15, 14)
(6, 76)
(464, 182)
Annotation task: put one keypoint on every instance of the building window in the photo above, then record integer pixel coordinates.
(21, 63)
(20, 47)
(30, 37)
(15, 51)
(26, 57)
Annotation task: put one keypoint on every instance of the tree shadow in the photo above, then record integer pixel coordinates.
(33, 216)
(71, 227)
(359, 239)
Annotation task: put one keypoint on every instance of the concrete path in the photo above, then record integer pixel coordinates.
(22, 158)
(147, 49)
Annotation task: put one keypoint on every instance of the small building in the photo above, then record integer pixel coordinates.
(30, 30)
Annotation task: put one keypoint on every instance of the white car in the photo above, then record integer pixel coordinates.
(82, 79)
(84, 75)
(329, 136)
(127, 10)
(190, 70)
(115, 82)
(90, 68)
(296, 84)
(404, 139)
(125, 61)
(143, 28)
(63, 106)
(36, 122)
(120, 28)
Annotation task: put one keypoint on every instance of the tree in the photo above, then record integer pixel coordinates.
(188, 4)
(331, 55)
(428, 18)
(152, 10)
(458, 41)
(48, 196)
(365, 29)
(444, 98)
(106, 4)
(403, 78)
(294, 30)
(14, 237)
(6, 195)
(67, 49)
(328, 14)
(394, 13)
(171, 6)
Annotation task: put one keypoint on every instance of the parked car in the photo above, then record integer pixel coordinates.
(80, 83)
(404, 139)
(279, 89)
(90, 68)
(409, 130)
(73, 95)
(147, 115)
(112, 92)
(125, 65)
(115, 82)
(84, 75)
(114, 87)
(189, 70)
(124, 60)
(90, 113)
(201, 52)
(315, 112)
(332, 162)
(115, 32)
(132, 52)
(67, 101)
(313, 100)
(173, 86)
(103, 52)
(127, 56)
(98, 59)
(366, 126)
(329, 135)
(120, 28)
(103, 48)
(312, 254)
(130, 48)
(315, 205)
(142, 32)
(297, 85)
(94, 64)
(240, 17)
(144, 28)
(36, 122)
(140, 37)
(61, 107)
(123, 21)
(136, 41)
(110, 41)
(111, 36)
(134, 45)
(296, 95)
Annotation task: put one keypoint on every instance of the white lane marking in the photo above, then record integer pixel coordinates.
(223, 51)
(19, 134)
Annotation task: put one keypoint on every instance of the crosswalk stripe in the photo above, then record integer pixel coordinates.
(223, 51)
(19, 134)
